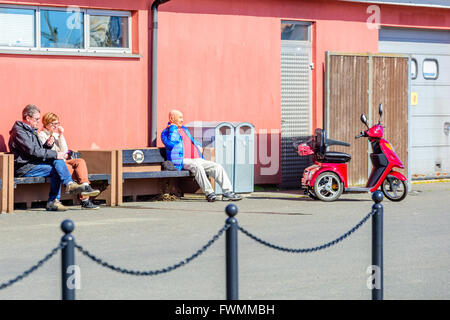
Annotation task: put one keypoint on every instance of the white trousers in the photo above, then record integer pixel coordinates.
(200, 167)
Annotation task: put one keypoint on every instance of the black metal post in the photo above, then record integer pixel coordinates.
(377, 246)
(232, 252)
(68, 260)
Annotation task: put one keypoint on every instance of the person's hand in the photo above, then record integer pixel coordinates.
(60, 129)
(50, 141)
(61, 156)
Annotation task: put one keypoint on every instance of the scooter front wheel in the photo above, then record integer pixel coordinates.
(328, 186)
(394, 189)
(311, 194)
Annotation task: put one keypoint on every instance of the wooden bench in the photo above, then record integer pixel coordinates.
(137, 166)
(102, 175)
(117, 173)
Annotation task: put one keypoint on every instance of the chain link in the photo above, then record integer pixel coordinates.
(307, 250)
(153, 272)
(33, 268)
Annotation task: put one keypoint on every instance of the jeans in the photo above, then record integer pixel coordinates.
(58, 174)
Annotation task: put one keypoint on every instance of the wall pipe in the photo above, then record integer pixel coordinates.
(154, 112)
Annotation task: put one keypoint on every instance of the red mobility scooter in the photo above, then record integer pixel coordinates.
(326, 179)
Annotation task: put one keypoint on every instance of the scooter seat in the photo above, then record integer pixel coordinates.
(335, 157)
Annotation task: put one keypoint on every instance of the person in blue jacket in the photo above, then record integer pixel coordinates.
(186, 153)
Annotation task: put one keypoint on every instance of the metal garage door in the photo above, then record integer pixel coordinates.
(295, 98)
(430, 96)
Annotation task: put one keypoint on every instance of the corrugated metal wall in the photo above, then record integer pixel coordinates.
(356, 84)
(295, 108)
(430, 96)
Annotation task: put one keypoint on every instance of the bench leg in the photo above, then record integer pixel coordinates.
(107, 196)
(103, 162)
(4, 182)
(105, 191)
(10, 184)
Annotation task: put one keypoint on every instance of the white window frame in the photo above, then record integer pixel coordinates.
(36, 9)
(426, 77)
(126, 14)
(416, 64)
(301, 23)
(87, 49)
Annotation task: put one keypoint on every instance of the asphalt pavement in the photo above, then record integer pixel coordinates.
(144, 236)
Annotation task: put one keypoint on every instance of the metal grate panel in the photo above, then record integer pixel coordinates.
(295, 109)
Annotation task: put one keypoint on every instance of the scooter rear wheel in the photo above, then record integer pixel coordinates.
(394, 189)
(328, 186)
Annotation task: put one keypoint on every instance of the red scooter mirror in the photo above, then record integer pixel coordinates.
(364, 120)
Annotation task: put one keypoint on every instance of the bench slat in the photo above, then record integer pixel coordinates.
(155, 174)
(30, 180)
(99, 177)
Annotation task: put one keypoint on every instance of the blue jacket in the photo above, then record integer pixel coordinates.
(174, 145)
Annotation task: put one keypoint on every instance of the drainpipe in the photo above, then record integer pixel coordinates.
(154, 9)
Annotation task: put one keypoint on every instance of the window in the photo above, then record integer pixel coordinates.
(430, 69)
(64, 29)
(294, 31)
(108, 31)
(413, 69)
(17, 27)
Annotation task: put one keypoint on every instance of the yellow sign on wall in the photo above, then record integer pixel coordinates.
(413, 98)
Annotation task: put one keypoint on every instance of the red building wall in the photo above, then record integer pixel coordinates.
(220, 60)
(217, 60)
(102, 102)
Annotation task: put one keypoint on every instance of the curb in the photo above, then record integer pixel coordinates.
(430, 181)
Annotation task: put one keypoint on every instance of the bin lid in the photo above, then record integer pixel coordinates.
(211, 124)
(247, 124)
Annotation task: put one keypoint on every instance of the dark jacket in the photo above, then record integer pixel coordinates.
(27, 149)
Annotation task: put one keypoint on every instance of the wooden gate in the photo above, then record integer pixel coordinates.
(357, 84)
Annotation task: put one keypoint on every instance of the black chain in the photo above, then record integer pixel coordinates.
(185, 261)
(33, 268)
(313, 249)
(153, 272)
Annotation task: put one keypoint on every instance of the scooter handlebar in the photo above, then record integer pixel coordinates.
(361, 134)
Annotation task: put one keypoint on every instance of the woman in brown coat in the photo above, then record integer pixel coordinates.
(52, 137)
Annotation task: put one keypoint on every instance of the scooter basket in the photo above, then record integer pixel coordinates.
(305, 150)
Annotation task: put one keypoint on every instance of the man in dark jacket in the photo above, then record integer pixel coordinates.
(32, 159)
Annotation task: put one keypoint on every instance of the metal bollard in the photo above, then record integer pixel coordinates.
(232, 252)
(68, 260)
(377, 245)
